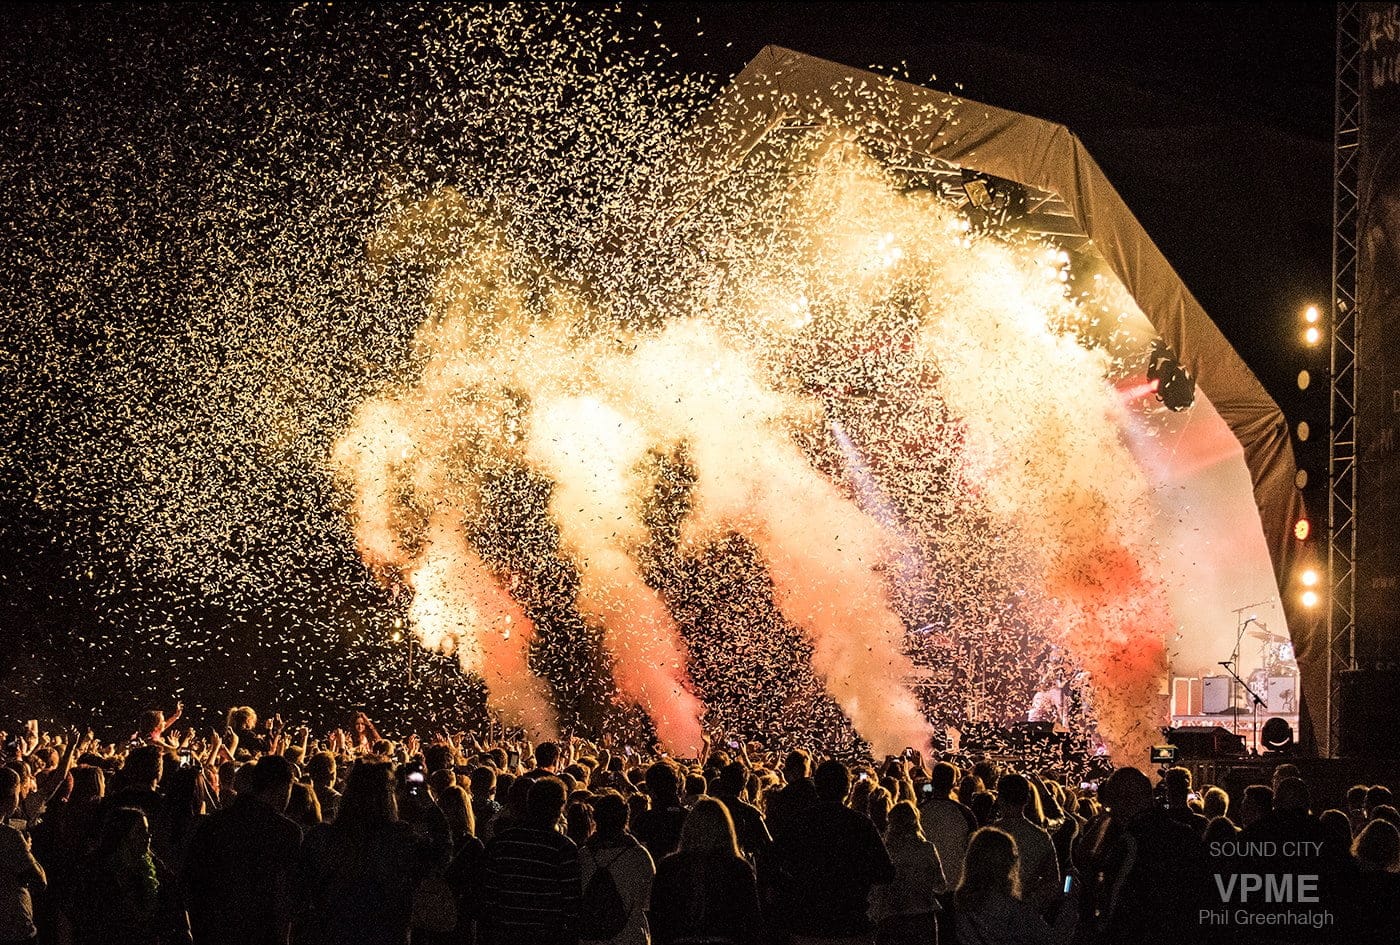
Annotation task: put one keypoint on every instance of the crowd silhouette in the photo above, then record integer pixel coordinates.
(260, 834)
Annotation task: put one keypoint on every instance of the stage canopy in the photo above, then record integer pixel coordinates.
(939, 141)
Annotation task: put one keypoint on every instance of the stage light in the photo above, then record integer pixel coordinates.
(1311, 315)
(1309, 578)
(397, 637)
(978, 194)
(1175, 386)
(1304, 379)
(1313, 335)
(1310, 598)
(992, 202)
(1304, 431)
(1302, 529)
(1300, 479)
(1276, 735)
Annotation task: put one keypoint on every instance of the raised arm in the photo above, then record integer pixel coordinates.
(174, 716)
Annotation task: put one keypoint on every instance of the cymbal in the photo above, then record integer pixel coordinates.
(1268, 636)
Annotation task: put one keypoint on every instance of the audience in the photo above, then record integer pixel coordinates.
(905, 911)
(705, 891)
(617, 874)
(531, 878)
(378, 841)
(240, 861)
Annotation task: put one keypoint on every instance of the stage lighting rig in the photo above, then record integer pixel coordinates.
(1176, 388)
(992, 202)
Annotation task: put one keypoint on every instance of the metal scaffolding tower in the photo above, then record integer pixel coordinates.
(1342, 438)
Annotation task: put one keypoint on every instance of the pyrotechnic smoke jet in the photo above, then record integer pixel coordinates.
(592, 452)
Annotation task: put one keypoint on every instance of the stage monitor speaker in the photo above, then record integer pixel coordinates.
(1215, 694)
(1205, 741)
(1369, 714)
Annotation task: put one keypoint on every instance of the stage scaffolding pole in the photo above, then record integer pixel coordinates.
(1342, 435)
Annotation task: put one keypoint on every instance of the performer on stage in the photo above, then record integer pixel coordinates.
(1048, 703)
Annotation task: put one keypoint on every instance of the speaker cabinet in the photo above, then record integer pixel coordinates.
(1205, 741)
(1186, 695)
(1369, 714)
(1215, 694)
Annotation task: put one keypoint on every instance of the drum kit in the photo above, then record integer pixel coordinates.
(1276, 679)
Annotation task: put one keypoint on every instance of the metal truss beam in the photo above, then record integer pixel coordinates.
(1342, 438)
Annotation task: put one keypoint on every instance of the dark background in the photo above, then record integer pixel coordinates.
(1213, 121)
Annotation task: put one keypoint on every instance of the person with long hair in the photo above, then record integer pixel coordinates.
(905, 911)
(21, 875)
(359, 872)
(988, 900)
(241, 724)
(464, 872)
(457, 810)
(122, 895)
(705, 891)
(303, 807)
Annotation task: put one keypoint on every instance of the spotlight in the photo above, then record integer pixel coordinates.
(978, 194)
(1300, 479)
(1302, 529)
(1313, 335)
(992, 202)
(1304, 379)
(1276, 735)
(1311, 315)
(1304, 431)
(1175, 386)
(1309, 577)
(397, 637)
(1309, 598)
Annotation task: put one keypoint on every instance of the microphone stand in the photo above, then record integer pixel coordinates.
(1233, 662)
(1257, 702)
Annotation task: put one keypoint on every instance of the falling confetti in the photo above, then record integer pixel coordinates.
(384, 317)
